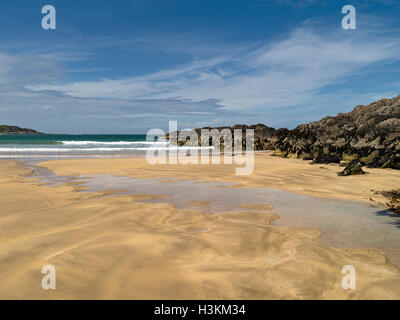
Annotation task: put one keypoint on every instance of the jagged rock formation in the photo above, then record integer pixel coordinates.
(369, 134)
(17, 130)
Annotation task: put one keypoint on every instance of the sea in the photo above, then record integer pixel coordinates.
(62, 145)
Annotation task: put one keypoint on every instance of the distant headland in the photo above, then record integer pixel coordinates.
(4, 129)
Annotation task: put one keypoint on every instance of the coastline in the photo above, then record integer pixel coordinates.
(107, 245)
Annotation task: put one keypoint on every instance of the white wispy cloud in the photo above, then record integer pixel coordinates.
(243, 84)
(287, 72)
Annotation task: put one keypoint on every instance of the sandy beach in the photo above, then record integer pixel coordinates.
(269, 172)
(106, 245)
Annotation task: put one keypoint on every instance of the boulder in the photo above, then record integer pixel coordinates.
(352, 168)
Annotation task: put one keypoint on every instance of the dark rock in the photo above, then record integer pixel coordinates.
(393, 162)
(369, 134)
(352, 168)
(325, 159)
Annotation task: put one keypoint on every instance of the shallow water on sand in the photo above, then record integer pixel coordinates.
(343, 223)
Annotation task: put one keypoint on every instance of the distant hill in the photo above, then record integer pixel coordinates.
(17, 130)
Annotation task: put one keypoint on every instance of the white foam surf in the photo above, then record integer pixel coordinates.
(116, 143)
(109, 149)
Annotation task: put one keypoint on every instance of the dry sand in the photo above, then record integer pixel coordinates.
(114, 246)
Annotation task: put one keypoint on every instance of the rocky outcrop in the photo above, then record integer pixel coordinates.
(369, 134)
(265, 138)
(17, 130)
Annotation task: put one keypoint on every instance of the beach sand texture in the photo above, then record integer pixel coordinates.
(115, 246)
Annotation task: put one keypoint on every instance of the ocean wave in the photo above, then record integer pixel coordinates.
(116, 143)
(29, 142)
(55, 150)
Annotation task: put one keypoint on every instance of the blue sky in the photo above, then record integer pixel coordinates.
(129, 66)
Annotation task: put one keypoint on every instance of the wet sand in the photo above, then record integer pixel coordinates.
(343, 223)
(269, 172)
(108, 245)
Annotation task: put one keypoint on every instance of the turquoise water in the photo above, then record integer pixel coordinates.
(64, 144)
(58, 139)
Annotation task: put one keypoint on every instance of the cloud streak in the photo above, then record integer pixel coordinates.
(287, 72)
(238, 84)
